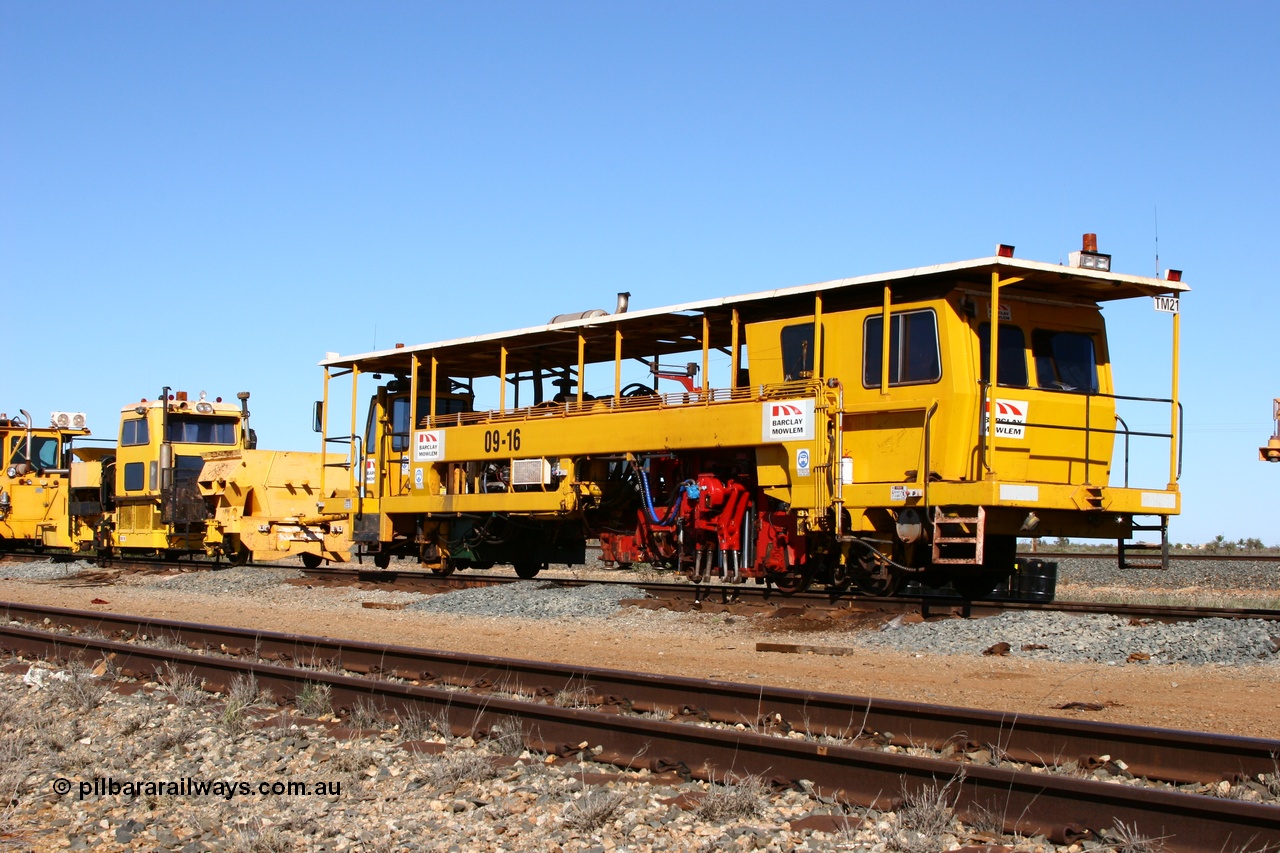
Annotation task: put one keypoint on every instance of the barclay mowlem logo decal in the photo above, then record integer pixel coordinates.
(791, 421)
(1011, 418)
(428, 446)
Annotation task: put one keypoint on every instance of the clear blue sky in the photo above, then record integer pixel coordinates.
(212, 195)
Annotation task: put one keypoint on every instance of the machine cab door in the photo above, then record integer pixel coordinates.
(1051, 424)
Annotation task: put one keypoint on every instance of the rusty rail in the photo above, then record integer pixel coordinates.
(1163, 754)
(1064, 809)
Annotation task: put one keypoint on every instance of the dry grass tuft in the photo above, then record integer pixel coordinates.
(182, 685)
(593, 809)
(459, 767)
(314, 700)
(365, 715)
(925, 816)
(1126, 838)
(733, 800)
(81, 689)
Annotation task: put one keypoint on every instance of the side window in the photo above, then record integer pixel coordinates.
(913, 349)
(400, 423)
(1065, 361)
(797, 352)
(44, 451)
(133, 476)
(134, 432)
(1012, 358)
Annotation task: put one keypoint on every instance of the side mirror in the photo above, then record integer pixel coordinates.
(317, 417)
(253, 439)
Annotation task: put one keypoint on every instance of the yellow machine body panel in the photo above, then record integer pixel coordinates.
(35, 485)
(268, 503)
(158, 460)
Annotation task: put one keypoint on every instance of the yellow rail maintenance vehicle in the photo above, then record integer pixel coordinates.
(842, 432)
(158, 508)
(263, 505)
(40, 483)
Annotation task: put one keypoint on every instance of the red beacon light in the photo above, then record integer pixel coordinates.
(1004, 250)
(1089, 258)
(1173, 275)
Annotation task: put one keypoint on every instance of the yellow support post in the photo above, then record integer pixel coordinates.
(884, 345)
(706, 354)
(582, 355)
(431, 415)
(817, 335)
(502, 379)
(617, 365)
(735, 356)
(413, 396)
(1173, 412)
(324, 430)
(357, 467)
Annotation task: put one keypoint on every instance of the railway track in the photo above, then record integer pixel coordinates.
(850, 748)
(1111, 557)
(751, 599)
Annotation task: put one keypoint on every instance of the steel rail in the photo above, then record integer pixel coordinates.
(1111, 556)
(1163, 754)
(1064, 809)
(744, 594)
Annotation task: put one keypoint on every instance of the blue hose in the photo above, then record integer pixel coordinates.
(648, 500)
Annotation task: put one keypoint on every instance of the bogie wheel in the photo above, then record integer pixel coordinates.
(312, 561)
(241, 557)
(879, 586)
(445, 568)
(527, 570)
(791, 582)
(874, 579)
(382, 559)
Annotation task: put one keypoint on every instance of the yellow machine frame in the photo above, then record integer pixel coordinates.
(882, 475)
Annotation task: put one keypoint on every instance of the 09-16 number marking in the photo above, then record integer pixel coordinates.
(496, 442)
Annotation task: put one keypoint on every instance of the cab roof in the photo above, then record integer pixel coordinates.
(678, 328)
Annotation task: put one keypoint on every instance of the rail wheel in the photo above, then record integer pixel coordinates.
(790, 583)
(382, 559)
(443, 570)
(312, 561)
(528, 570)
(240, 557)
(875, 578)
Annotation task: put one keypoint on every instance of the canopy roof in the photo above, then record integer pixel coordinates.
(678, 328)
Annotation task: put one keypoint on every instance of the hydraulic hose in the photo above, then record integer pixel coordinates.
(648, 500)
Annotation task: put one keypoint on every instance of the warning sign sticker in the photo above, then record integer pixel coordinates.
(1011, 419)
(788, 420)
(428, 445)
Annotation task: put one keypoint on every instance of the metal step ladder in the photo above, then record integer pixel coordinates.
(958, 536)
(1147, 549)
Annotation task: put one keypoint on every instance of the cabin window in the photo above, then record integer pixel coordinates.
(197, 430)
(1012, 359)
(133, 476)
(187, 468)
(134, 432)
(797, 352)
(400, 416)
(44, 451)
(1065, 361)
(913, 349)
